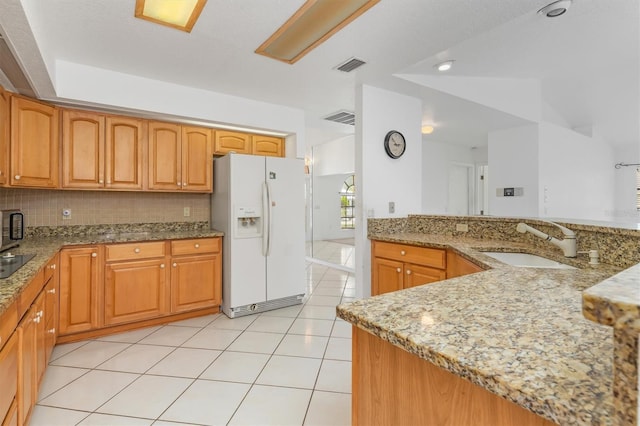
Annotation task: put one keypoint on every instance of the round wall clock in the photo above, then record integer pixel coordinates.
(394, 144)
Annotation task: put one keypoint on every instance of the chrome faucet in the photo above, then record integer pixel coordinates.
(568, 244)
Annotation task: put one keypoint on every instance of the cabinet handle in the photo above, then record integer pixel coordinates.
(17, 177)
(398, 270)
(40, 314)
(36, 320)
(408, 271)
(197, 246)
(53, 266)
(100, 181)
(52, 331)
(174, 264)
(52, 291)
(402, 253)
(94, 254)
(136, 250)
(184, 183)
(162, 266)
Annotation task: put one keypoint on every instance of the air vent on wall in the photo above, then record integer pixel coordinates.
(351, 65)
(344, 117)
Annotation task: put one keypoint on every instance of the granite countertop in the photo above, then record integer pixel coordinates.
(45, 248)
(517, 332)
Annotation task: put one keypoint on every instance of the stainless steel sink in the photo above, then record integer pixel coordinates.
(526, 260)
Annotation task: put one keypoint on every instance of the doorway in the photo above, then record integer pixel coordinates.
(460, 189)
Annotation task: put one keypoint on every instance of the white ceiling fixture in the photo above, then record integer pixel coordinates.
(310, 26)
(427, 130)
(444, 66)
(555, 9)
(181, 14)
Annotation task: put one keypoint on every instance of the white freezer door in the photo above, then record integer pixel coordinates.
(285, 259)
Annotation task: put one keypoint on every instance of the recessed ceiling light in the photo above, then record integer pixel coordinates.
(555, 9)
(181, 15)
(427, 130)
(444, 66)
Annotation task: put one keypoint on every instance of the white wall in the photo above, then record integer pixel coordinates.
(625, 185)
(577, 176)
(513, 162)
(87, 84)
(381, 179)
(335, 157)
(437, 158)
(326, 208)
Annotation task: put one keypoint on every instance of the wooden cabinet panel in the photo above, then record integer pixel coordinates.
(34, 144)
(411, 254)
(83, 161)
(267, 145)
(135, 291)
(5, 99)
(80, 296)
(27, 365)
(226, 141)
(124, 153)
(415, 275)
(165, 146)
(195, 246)
(11, 418)
(386, 276)
(196, 159)
(195, 282)
(8, 376)
(135, 251)
(458, 266)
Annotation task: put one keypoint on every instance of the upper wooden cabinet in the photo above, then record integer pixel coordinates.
(5, 99)
(82, 149)
(267, 145)
(34, 144)
(124, 153)
(179, 157)
(226, 141)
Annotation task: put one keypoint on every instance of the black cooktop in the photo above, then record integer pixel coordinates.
(9, 263)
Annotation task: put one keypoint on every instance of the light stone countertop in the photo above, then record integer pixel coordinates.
(517, 332)
(46, 247)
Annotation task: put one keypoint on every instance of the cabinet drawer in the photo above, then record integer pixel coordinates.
(8, 323)
(30, 292)
(134, 251)
(195, 246)
(435, 258)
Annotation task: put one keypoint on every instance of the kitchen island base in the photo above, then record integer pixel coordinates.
(394, 387)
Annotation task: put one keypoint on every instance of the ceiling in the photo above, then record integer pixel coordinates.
(586, 62)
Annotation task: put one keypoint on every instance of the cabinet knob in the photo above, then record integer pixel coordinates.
(136, 250)
(174, 264)
(100, 181)
(402, 252)
(0, 172)
(36, 319)
(179, 183)
(17, 177)
(408, 271)
(52, 331)
(94, 254)
(184, 183)
(197, 246)
(162, 266)
(52, 291)
(53, 266)
(398, 270)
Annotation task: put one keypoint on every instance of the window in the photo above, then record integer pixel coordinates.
(347, 202)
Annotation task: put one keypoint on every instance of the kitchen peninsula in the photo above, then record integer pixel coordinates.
(513, 341)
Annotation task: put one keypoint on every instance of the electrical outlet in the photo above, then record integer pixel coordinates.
(462, 227)
(187, 211)
(392, 207)
(66, 214)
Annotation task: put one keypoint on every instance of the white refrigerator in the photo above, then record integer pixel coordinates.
(258, 202)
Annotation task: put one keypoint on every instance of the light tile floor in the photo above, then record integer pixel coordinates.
(290, 366)
(337, 253)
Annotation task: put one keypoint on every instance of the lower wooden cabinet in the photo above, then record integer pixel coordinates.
(9, 380)
(458, 266)
(27, 362)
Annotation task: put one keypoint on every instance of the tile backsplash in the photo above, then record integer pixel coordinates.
(43, 207)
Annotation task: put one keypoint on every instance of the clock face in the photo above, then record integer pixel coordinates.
(394, 144)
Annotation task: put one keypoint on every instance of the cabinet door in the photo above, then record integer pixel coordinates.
(8, 375)
(226, 141)
(415, 275)
(82, 149)
(135, 291)
(4, 135)
(27, 365)
(267, 145)
(124, 153)
(11, 418)
(458, 265)
(34, 144)
(165, 145)
(79, 290)
(39, 319)
(195, 282)
(196, 159)
(386, 276)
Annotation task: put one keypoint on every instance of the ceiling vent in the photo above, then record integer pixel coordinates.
(343, 117)
(351, 65)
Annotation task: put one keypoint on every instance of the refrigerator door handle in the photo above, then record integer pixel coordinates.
(266, 220)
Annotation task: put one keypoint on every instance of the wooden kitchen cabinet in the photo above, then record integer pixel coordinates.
(179, 157)
(397, 266)
(196, 274)
(125, 150)
(226, 141)
(83, 149)
(34, 144)
(135, 286)
(267, 145)
(27, 362)
(9, 380)
(5, 107)
(80, 289)
(458, 266)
